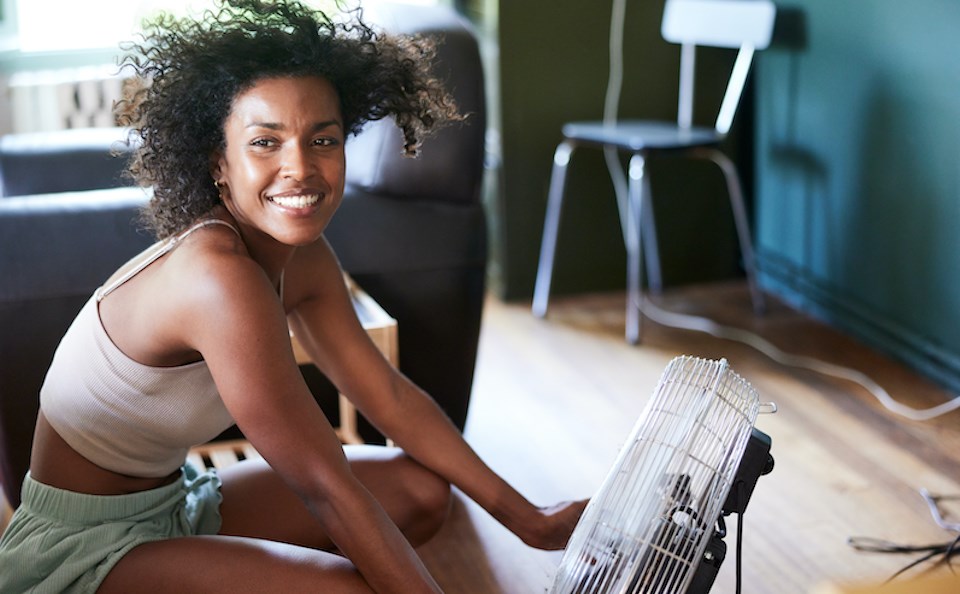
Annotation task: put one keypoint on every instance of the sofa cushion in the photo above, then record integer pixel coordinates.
(63, 161)
(450, 168)
(372, 233)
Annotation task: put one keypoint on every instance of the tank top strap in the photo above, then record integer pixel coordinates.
(157, 250)
(207, 223)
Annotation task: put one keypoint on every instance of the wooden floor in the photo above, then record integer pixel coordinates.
(554, 400)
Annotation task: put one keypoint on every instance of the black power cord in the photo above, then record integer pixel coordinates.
(739, 553)
(940, 553)
(876, 545)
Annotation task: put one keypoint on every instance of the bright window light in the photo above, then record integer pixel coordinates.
(95, 24)
(77, 25)
(99, 24)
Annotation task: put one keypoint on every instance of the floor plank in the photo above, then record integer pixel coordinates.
(554, 400)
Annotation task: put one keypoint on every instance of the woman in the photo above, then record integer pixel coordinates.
(243, 119)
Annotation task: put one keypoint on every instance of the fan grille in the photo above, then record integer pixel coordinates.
(647, 527)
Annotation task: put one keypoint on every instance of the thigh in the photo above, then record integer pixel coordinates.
(258, 503)
(212, 564)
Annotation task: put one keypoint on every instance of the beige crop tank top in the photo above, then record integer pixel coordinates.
(124, 416)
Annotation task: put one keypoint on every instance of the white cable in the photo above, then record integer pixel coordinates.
(701, 324)
(611, 107)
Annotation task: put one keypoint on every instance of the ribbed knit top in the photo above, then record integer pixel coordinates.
(124, 416)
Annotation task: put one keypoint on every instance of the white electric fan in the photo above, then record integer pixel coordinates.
(655, 526)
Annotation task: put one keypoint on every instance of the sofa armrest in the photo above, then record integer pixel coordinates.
(56, 250)
(67, 243)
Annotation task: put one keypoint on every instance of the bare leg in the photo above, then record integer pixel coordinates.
(227, 564)
(268, 537)
(257, 503)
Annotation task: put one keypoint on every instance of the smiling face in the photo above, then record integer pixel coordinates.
(282, 171)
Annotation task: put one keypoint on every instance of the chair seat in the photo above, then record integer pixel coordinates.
(638, 135)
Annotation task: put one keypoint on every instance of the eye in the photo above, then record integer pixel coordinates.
(262, 142)
(326, 141)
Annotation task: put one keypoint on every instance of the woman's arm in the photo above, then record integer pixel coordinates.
(240, 328)
(324, 322)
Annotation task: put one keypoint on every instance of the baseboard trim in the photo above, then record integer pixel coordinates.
(814, 296)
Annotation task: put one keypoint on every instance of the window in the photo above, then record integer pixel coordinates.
(75, 24)
(39, 26)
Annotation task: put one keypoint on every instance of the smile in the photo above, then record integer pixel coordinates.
(301, 201)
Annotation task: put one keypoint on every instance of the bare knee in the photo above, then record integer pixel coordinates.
(429, 500)
(415, 498)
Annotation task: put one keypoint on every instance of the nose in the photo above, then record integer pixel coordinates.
(296, 163)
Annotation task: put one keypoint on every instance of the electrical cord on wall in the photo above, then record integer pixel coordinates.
(688, 322)
(611, 108)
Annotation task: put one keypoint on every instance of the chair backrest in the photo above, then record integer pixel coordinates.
(743, 24)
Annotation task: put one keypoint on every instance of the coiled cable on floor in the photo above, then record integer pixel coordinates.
(708, 326)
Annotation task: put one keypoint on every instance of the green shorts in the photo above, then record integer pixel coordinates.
(61, 541)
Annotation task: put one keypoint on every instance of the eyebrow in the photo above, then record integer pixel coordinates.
(277, 126)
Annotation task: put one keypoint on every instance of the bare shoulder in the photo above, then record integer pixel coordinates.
(213, 285)
(154, 306)
(217, 256)
(313, 273)
(208, 264)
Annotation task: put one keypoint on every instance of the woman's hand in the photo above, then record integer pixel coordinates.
(554, 525)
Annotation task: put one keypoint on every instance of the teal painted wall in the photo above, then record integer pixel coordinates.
(858, 173)
(553, 68)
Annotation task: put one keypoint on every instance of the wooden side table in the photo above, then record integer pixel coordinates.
(381, 328)
(6, 512)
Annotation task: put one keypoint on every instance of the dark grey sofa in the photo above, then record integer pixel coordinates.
(411, 232)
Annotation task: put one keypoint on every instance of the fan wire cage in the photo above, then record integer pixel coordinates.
(647, 527)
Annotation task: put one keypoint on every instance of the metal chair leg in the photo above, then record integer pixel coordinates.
(649, 235)
(740, 219)
(551, 225)
(637, 184)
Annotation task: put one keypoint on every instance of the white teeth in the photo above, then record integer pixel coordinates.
(296, 201)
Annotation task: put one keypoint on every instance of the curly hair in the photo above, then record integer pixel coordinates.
(189, 71)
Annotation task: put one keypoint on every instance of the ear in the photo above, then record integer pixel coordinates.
(216, 165)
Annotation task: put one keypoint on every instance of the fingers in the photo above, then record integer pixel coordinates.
(557, 524)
